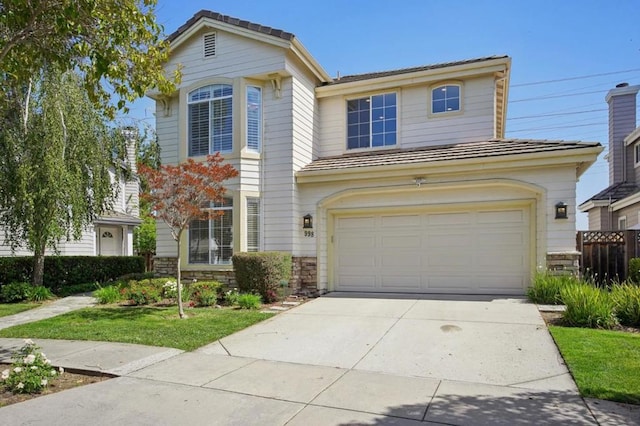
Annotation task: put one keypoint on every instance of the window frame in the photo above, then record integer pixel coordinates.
(371, 134)
(460, 98)
(622, 220)
(259, 119)
(257, 220)
(226, 205)
(636, 154)
(210, 102)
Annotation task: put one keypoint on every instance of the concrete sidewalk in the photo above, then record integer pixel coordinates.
(48, 310)
(334, 361)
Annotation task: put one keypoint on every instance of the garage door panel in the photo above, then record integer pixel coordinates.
(400, 220)
(399, 282)
(501, 217)
(359, 223)
(448, 219)
(475, 251)
(401, 241)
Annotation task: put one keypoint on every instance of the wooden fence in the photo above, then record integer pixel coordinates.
(606, 254)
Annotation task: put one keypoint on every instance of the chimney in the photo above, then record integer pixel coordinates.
(622, 121)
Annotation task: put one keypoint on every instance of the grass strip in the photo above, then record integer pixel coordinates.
(604, 363)
(141, 325)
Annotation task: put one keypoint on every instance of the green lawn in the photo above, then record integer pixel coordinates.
(13, 308)
(141, 325)
(604, 364)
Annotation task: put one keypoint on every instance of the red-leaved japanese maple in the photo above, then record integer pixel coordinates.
(180, 194)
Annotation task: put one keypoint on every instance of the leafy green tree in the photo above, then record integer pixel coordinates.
(144, 236)
(56, 154)
(117, 42)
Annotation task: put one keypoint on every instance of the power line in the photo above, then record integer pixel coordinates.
(534, 83)
(555, 96)
(556, 127)
(558, 114)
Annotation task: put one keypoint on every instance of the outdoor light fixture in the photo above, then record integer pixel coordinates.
(561, 210)
(307, 221)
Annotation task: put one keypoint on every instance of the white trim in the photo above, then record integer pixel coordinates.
(446, 113)
(618, 91)
(626, 202)
(622, 219)
(588, 205)
(632, 137)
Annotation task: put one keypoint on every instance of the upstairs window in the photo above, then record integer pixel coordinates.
(371, 121)
(445, 98)
(210, 120)
(254, 118)
(636, 153)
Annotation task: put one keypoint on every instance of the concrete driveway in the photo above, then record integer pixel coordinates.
(346, 360)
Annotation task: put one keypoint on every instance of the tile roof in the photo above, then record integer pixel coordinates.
(615, 192)
(232, 21)
(370, 75)
(461, 151)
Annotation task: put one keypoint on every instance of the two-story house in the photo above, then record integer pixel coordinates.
(112, 233)
(395, 181)
(617, 207)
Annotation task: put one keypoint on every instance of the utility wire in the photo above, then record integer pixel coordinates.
(534, 83)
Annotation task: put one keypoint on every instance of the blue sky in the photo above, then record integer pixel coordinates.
(547, 40)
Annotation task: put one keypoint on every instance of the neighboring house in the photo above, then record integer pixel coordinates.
(396, 181)
(112, 233)
(618, 206)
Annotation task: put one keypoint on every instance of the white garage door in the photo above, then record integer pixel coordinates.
(480, 251)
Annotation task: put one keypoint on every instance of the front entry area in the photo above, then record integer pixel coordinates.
(480, 250)
(110, 241)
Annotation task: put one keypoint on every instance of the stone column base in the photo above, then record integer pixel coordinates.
(564, 263)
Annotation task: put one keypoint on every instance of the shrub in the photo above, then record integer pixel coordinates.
(39, 294)
(143, 292)
(546, 287)
(262, 272)
(587, 306)
(61, 271)
(205, 293)
(30, 372)
(170, 290)
(106, 295)
(249, 301)
(69, 290)
(634, 270)
(15, 292)
(231, 297)
(626, 300)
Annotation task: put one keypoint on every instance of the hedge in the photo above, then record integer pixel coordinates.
(62, 271)
(262, 272)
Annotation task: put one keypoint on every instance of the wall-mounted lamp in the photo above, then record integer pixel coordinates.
(307, 221)
(561, 210)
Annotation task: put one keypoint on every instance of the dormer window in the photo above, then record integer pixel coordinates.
(209, 45)
(371, 121)
(445, 98)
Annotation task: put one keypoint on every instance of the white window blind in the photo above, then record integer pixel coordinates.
(253, 224)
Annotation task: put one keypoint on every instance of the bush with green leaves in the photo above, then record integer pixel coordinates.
(108, 294)
(69, 290)
(262, 272)
(15, 292)
(626, 300)
(39, 294)
(634, 270)
(231, 297)
(30, 371)
(249, 301)
(545, 288)
(587, 306)
(143, 292)
(205, 293)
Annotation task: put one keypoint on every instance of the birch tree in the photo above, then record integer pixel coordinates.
(56, 152)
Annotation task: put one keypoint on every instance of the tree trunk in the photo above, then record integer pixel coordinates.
(38, 266)
(180, 308)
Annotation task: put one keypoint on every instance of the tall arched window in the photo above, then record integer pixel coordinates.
(210, 119)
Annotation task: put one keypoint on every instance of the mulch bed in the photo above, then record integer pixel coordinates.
(64, 381)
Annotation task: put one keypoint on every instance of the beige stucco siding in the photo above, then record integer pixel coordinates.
(416, 126)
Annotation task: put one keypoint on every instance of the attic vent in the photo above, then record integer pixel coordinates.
(209, 45)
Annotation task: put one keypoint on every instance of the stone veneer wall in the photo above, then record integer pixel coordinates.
(564, 263)
(303, 275)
